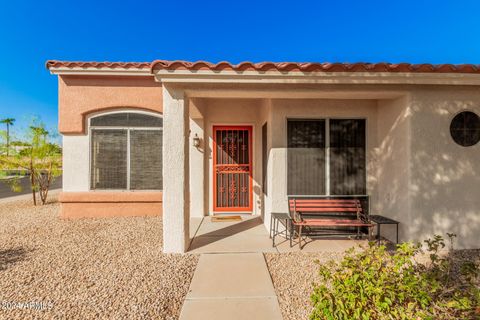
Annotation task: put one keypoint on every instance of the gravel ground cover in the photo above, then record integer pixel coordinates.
(293, 275)
(87, 268)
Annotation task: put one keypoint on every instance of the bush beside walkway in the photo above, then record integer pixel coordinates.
(293, 275)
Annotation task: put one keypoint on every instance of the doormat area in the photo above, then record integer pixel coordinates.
(226, 218)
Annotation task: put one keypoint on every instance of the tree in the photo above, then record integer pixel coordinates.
(9, 122)
(40, 158)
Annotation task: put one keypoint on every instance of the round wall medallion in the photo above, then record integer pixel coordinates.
(465, 128)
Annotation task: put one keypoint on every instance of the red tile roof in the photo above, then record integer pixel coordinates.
(92, 64)
(275, 66)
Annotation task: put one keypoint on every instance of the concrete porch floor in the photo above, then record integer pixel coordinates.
(250, 235)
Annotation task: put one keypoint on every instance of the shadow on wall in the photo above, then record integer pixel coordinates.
(389, 163)
(445, 178)
(425, 180)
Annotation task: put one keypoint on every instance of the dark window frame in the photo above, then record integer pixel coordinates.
(465, 141)
(327, 153)
(128, 129)
(296, 162)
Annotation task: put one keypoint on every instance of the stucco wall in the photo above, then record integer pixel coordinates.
(445, 177)
(415, 172)
(391, 162)
(110, 204)
(76, 163)
(79, 96)
(198, 161)
(234, 112)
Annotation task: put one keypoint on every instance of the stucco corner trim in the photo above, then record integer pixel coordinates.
(110, 204)
(111, 197)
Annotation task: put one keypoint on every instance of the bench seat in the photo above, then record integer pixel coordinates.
(325, 212)
(332, 223)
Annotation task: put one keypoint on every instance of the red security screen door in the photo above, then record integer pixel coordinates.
(232, 168)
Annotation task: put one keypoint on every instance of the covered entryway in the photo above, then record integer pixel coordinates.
(246, 151)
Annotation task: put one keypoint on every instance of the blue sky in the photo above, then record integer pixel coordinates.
(32, 32)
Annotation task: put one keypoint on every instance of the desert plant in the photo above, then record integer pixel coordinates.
(8, 122)
(373, 283)
(38, 157)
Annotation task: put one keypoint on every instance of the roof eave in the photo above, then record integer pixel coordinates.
(278, 77)
(100, 71)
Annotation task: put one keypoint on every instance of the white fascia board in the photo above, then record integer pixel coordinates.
(277, 77)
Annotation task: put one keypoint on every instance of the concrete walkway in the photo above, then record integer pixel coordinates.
(250, 235)
(247, 235)
(232, 280)
(231, 286)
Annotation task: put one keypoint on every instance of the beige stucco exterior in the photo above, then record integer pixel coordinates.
(416, 173)
(79, 99)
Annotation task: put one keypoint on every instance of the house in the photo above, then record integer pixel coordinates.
(187, 139)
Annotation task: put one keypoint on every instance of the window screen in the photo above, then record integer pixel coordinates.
(306, 157)
(128, 157)
(347, 157)
(145, 159)
(126, 119)
(109, 159)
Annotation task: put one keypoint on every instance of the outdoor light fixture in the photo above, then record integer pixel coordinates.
(196, 141)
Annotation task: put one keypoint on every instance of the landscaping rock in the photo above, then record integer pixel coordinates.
(293, 275)
(88, 268)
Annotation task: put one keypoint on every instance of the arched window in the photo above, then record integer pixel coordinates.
(126, 151)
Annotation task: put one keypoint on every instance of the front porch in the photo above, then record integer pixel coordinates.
(191, 156)
(250, 235)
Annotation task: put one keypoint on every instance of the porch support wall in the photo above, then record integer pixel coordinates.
(198, 209)
(176, 193)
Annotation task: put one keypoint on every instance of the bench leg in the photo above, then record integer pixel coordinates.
(273, 234)
(292, 230)
(378, 232)
(300, 237)
(397, 233)
(271, 226)
(275, 230)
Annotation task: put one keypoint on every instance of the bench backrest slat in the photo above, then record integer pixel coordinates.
(324, 207)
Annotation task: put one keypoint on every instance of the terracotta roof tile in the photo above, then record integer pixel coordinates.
(274, 66)
(315, 67)
(92, 64)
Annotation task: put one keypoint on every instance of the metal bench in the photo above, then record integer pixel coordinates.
(327, 212)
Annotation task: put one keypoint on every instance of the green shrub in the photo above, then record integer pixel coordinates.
(376, 284)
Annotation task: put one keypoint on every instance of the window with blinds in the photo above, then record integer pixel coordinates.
(109, 159)
(306, 157)
(145, 159)
(347, 157)
(326, 157)
(126, 152)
